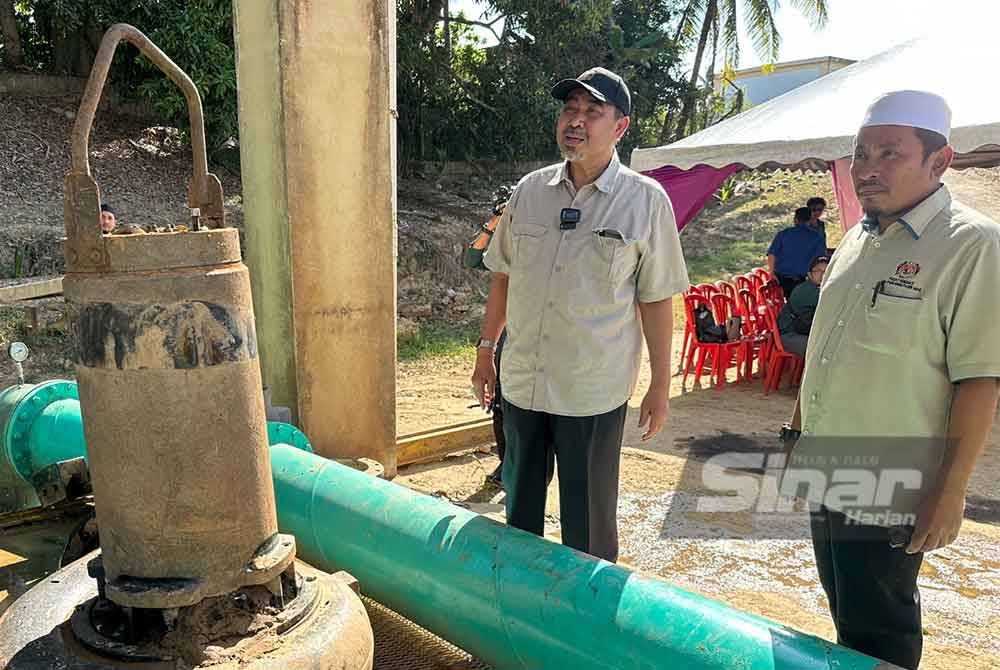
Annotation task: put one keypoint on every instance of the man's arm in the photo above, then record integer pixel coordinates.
(657, 326)
(473, 257)
(940, 517)
(484, 377)
(770, 264)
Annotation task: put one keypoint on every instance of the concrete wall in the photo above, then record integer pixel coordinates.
(317, 130)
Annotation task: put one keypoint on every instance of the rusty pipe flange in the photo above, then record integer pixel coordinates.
(330, 630)
(271, 559)
(170, 250)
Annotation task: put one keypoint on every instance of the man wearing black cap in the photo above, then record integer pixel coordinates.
(109, 218)
(583, 249)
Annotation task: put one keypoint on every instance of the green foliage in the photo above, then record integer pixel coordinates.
(461, 101)
(198, 36)
(439, 340)
(723, 263)
(457, 98)
(62, 37)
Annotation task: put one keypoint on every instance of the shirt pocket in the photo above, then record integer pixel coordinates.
(890, 324)
(618, 254)
(528, 239)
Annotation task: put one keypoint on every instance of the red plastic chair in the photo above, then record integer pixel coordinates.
(706, 290)
(727, 289)
(763, 274)
(771, 294)
(688, 328)
(777, 358)
(724, 307)
(754, 330)
(743, 282)
(713, 352)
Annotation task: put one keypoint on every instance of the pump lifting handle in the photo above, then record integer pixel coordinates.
(85, 249)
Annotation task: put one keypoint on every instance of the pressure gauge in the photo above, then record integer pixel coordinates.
(18, 352)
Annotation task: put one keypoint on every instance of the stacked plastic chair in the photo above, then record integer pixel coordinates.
(777, 356)
(713, 353)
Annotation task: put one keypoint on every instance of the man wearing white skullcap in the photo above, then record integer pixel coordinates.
(901, 379)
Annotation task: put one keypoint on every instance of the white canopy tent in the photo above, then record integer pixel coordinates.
(813, 126)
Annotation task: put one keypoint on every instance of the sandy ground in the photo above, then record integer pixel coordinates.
(733, 558)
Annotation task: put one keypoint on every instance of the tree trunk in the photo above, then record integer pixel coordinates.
(687, 112)
(13, 53)
(446, 17)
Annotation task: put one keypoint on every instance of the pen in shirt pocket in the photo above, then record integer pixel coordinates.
(878, 289)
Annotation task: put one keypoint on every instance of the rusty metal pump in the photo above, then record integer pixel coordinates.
(173, 412)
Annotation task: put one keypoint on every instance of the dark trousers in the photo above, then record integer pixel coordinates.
(497, 405)
(587, 452)
(788, 283)
(872, 588)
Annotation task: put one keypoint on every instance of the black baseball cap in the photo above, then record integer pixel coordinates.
(105, 207)
(603, 84)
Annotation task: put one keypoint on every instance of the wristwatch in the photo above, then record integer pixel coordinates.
(483, 343)
(486, 229)
(789, 434)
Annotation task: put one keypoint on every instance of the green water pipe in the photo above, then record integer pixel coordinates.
(41, 425)
(514, 600)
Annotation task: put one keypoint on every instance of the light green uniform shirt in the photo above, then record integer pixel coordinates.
(902, 317)
(574, 338)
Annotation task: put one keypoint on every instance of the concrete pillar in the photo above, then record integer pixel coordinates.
(317, 137)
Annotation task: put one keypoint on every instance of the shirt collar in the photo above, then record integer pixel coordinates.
(919, 217)
(605, 183)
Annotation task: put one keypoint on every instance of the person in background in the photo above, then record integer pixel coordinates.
(474, 259)
(816, 207)
(792, 250)
(795, 319)
(109, 218)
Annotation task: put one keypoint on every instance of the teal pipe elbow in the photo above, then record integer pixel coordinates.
(513, 599)
(41, 424)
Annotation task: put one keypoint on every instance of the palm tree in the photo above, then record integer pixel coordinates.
(717, 19)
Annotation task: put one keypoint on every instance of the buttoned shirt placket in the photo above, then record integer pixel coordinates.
(865, 275)
(555, 283)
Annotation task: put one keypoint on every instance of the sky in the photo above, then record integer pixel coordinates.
(856, 29)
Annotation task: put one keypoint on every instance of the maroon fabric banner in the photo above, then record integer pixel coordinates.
(689, 190)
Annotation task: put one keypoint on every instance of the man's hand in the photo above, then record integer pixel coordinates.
(938, 521)
(654, 411)
(484, 377)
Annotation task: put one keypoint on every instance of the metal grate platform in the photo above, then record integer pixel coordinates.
(401, 644)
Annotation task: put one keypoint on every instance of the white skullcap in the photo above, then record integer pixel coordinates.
(917, 109)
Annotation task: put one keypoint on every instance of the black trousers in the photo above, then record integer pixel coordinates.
(497, 405)
(788, 283)
(587, 452)
(872, 588)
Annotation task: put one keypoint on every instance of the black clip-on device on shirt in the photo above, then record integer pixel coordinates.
(568, 218)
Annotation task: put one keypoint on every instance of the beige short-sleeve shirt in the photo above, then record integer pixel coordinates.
(573, 332)
(902, 316)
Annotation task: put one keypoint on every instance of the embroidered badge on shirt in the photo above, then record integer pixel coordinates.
(902, 284)
(907, 269)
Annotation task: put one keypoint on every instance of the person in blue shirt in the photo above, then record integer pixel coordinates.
(793, 250)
